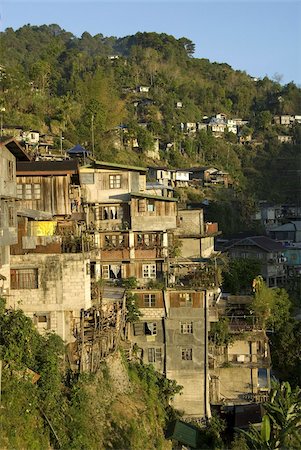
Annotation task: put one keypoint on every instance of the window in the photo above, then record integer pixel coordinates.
(105, 272)
(10, 170)
(115, 181)
(87, 178)
(154, 355)
(149, 300)
(149, 270)
(151, 206)
(185, 299)
(138, 329)
(24, 278)
(11, 216)
(111, 213)
(42, 321)
(29, 191)
(150, 328)
(19, 190)
(186, 354)
(147, 240)
(114, 240)
(186, 327)
(142, 205)
(112, 271)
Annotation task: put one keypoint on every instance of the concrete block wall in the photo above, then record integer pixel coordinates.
(63, 289)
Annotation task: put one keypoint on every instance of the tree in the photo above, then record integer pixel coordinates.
(238, 278)
(281, 424)
(271, 306)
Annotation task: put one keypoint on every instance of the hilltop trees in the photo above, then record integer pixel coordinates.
(53, 80)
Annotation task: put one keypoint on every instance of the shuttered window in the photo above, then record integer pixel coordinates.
(24, 278)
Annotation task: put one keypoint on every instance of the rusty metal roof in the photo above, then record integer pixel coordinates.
(47, 167)
(12, 145)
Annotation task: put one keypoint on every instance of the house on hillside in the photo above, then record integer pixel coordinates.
(285, 139)
(217, 125)
(180, 177)
(240, 371)
(265, 250)
(143, 89)
(49, 186)
(288, 232)
(210, 176)
(162, 175)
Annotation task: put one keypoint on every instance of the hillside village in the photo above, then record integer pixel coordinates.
(110, 222)
(79, 234)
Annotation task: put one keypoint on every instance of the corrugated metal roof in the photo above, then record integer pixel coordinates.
(15, 148)
(47, 167)
(34, 214)
(290, 226)
(184, 433)
(118, 166)
(153, 197)
(264, 242)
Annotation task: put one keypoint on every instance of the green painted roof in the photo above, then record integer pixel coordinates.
(184, 433)
(120, 166)
(153, 197)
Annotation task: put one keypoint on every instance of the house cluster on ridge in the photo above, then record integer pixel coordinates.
(74, 231)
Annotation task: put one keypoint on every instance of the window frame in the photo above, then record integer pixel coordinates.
(24, 278)
(154, 354)
(186, 354)
(152, 330)
(115, 181)
(149, 300)
(186, 327)
(185, 299)
(149, 271)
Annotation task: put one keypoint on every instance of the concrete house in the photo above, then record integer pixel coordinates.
(267, 251)
(49, 262)
(162, 175)
(180, 177)
(51, 289)
(240, 371)
(172, 333)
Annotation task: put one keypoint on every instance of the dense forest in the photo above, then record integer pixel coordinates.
(55, 82)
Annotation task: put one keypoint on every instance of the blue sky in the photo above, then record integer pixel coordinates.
(262, 38)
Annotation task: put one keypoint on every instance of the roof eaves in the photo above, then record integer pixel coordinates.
(120, 166)
(153, 197)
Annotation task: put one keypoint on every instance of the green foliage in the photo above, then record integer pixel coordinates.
(238, 277)
(70, 411)
(281, 424)
(133, 312)
(271, 306)
(54, 81)
(286, 352)
(129, 283)
(219, 333)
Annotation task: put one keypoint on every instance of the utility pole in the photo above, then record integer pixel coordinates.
(61, 142)
(2, 110)
(92, 133)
